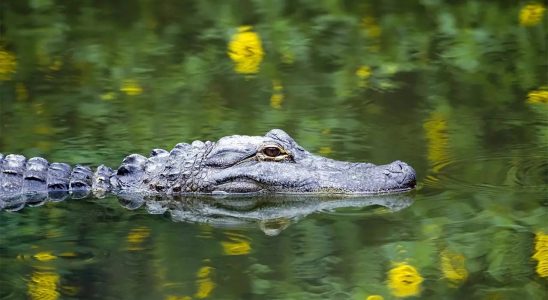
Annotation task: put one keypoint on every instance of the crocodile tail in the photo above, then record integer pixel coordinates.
(32, 181)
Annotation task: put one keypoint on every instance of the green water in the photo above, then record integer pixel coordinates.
(457, 90)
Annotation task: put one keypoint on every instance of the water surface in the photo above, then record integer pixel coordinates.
(458, 91)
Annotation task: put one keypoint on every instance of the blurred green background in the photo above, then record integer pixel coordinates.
(458, 89)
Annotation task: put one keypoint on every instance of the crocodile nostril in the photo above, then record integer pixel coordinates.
(395, 167)
(400, 165)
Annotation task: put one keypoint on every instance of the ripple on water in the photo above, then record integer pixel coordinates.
(485, 173)
(7, 291)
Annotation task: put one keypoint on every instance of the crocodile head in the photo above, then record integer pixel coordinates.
(276, 163)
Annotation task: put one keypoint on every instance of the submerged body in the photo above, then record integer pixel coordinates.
(273, 163)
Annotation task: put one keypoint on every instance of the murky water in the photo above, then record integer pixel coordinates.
(460, 95)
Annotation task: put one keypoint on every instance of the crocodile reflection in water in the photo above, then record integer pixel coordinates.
(272, 213)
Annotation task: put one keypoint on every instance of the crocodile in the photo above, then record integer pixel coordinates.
(273, 163)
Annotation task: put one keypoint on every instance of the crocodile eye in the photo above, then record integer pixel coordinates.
(272, 151)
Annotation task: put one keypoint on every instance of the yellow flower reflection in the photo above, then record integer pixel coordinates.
(531, 14)
(246, 51)
(541, 253)
(131, 87)
(325, 151)
(237, 245)
(436, 135)
(44, 256)
(276, 100)
(43, 286)
(372, 31)
(372, 28)
(136, 237)
(277, 97)
(375, 297)
(538, 96)
(108, 96)
(173, 297)
(8, 64)
(363, 73)
(404, 280)
(452, 266)
(204, 282)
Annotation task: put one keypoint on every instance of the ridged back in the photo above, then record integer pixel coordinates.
(26, 181)
(177, 171)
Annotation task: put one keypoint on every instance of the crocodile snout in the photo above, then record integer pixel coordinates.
(402, 173)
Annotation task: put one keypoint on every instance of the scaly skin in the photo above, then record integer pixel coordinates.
(273, 163)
